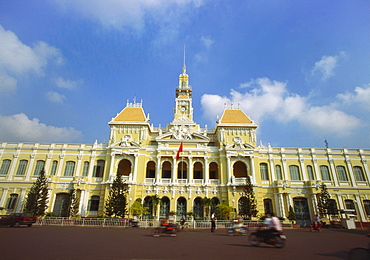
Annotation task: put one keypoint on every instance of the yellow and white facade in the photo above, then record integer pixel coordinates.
(213, 164)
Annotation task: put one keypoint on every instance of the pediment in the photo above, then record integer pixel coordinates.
(126, 141)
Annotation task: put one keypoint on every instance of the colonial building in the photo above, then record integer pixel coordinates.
(213, 163)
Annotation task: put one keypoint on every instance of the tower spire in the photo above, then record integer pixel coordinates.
(184, 66)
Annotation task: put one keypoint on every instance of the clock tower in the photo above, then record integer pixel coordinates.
(183, 110)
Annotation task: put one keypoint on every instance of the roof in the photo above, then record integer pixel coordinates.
(131, 114)
(234, 116)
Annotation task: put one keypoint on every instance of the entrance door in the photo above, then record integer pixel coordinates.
(58, 204)
(302, 211)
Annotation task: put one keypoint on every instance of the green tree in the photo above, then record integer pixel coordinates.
(223, 210)
(291, 214)
(137, 208)
(155, 201)
(323, 201)
(206, 202)
(37, 197)
(116, 202)
(248, 203)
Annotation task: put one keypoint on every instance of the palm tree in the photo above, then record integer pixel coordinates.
(206, 202)
(155, 201)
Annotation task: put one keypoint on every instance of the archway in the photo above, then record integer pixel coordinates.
(302, 211)
(124, 167)
(240, 169)
(181, 207)
(164, 208)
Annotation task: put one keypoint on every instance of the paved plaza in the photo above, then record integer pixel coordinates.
(51, 242)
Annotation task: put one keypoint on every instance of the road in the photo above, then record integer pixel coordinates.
(51, 242)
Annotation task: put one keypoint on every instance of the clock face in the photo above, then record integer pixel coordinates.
(183, 109)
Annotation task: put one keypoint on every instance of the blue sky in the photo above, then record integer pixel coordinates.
(299, 69)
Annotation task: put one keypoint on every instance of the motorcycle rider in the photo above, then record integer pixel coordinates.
(273, 225)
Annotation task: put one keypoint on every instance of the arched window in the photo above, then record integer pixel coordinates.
(69, 169)
(39, 167)
(294, 173)
(182, 171)
(215, 202)
(85, 170)
(22, 167)
(12, 200)
(124, 167)
(325, 174)
(240, 169)
(264, 172)
(54, 168)
(166, 170)
(198, 171)
(279, 174)
(164, 207)
(198, 208)
(99, 168)
(181, 206)
(359, 173)
(342, 175)
(213, 170)
(310, 173)
(150, 170)
(5, 167)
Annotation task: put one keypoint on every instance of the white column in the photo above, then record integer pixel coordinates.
(82, 207)
(91, 166)
(272, 168)
(253, 179)
(111, 170)
(14, 163)
(174, 169)
(158, 170)
(350, 170)
(191, 168)
(333, 171)
(206, 171)
(281, 203)
(136, 156)
(340, 202)
(3, 196)
(30, 166)
(314, 203)
(285, 167)
(229, 170)
(360, 208)
(315, 166)
(20, 200)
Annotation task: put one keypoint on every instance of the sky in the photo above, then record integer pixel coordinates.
(299, 69)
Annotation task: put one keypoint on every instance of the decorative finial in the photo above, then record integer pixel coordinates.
(184, 66)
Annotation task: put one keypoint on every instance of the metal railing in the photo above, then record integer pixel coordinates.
(126, 223)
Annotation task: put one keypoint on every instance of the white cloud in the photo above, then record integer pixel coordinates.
(7, 83)
(207, 41)
(19, 128)
(127, 13)
(266, 99)
(66, 83)
(55, 97)
(325, 67)
(17, 58)
(360, 97)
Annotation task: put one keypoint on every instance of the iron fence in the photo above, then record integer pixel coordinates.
(126, 223)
